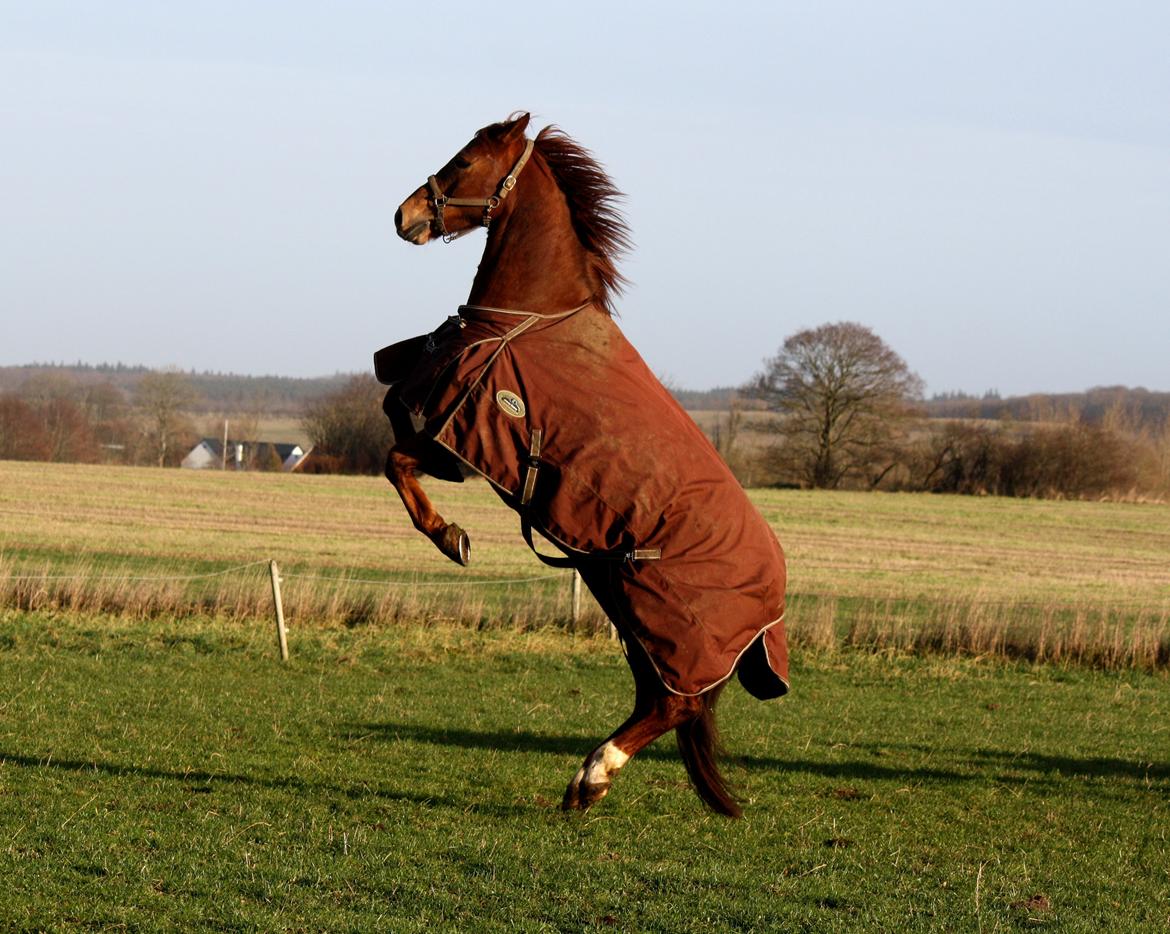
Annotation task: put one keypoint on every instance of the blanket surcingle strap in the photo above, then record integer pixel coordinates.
(545, 407)
(636, 554)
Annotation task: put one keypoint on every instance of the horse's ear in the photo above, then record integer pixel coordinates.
(513, 127)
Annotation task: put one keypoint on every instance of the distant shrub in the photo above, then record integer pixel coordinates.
(1073, 460)
(349, 432)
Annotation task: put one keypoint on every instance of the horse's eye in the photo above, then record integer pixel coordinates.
(461, 163)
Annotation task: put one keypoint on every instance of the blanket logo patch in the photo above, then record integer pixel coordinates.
(510, 403)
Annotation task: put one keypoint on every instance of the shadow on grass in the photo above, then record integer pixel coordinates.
(1013, 761)
(856, 762)
(1089, 767)
(500, 740)
(192, 780)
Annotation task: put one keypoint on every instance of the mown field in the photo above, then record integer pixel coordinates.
(1031, 579)
(161, 769)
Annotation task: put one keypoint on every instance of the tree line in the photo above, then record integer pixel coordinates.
(834, 408)
(51, 417)
(213, 393)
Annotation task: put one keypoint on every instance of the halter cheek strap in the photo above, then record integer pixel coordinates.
(489, 204)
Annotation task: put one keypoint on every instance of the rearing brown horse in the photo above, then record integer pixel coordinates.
(534, 387)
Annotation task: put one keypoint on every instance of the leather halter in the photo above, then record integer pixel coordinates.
(489, 204)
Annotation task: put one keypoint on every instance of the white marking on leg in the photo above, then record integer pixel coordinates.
(604, 763)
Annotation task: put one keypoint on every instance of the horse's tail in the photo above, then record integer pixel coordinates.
(698, 744)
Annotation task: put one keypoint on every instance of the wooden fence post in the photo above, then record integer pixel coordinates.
(281, 632)
(576, 597)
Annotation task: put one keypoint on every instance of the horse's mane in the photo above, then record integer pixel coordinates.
(592, 198)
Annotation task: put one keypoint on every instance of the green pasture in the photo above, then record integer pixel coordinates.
(175, 776)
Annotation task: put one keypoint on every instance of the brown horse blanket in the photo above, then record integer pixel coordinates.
(573, 430)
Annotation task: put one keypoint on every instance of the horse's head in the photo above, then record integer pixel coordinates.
(471, 189)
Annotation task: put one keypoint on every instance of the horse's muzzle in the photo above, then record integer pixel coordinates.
(412, 225)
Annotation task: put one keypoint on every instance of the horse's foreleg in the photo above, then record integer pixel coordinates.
(401, 470)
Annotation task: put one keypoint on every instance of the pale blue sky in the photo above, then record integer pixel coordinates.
(212, 185)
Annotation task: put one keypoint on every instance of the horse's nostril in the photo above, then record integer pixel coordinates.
(398, 219)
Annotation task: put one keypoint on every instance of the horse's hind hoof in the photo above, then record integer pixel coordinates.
(580, 796)
(455, 544)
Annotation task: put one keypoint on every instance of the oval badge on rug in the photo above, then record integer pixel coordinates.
(511, 403)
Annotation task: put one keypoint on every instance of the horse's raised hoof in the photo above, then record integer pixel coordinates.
(454, 543)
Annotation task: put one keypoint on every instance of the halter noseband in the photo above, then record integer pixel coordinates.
(489, 204)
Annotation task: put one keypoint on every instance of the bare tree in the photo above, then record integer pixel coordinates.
(66, 425)
(842, 391)
(347, 428)
(162, 397)
(111, 416)
(22, 434)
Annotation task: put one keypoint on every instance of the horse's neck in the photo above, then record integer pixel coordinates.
(533, 259)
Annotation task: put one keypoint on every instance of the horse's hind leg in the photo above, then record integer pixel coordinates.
(402, 464)
(655, 713)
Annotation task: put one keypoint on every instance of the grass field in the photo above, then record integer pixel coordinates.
(159, 769)
(286, 429)
(1036, 579)
(174, 776)
(289, 429)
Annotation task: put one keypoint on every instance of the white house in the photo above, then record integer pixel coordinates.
(243, 455)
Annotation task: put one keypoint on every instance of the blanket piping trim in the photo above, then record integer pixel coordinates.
(730, 671)
(534, 314)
